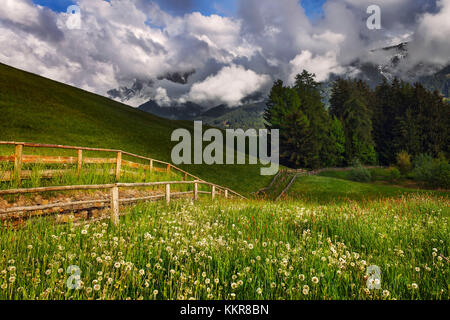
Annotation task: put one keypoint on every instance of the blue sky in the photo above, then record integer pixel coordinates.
(313, 8)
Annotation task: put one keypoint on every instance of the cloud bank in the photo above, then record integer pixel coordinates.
(135, 51)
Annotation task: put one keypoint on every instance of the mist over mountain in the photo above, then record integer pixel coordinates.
(393, 63)
(250, 114)
(222, 116)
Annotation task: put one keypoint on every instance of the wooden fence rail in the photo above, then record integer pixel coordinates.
(19, 159)
(114, 199)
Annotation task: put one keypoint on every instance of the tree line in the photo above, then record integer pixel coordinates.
(362, 124)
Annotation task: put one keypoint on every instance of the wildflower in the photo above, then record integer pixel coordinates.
(141, 272)
(84, 231)
(305, 290)
(250, 246)
(96, 287)
(414, 286)
(315, 280)
(386, 293)
(155, 292)
(207, 281)
(117, 265)
(259, 291)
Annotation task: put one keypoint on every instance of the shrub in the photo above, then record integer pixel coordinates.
(441, 174)
(434, 173)
(393, 174)
(404, 162)
(359, 173)
(423, 168)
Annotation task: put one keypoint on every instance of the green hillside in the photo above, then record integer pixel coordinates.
(36, 109)
(327, 190)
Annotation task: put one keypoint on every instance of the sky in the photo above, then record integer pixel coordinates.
(313, 8)
(210, 51)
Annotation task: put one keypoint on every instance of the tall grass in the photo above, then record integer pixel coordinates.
(238, 250)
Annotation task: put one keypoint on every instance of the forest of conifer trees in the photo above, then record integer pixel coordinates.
(362, 124)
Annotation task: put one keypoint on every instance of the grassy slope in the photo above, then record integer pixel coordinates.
(36, 109)
(326, 190)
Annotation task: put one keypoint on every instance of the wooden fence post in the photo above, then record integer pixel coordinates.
(195, 191)
(168, 168)
(213, 192)
(151, 165)
(79, 161)
(226, 194)
(118, 165)
(115, 206)
(185, 177)
(18, 162)
(167, 194)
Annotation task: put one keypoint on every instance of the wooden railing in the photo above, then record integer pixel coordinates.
(114, 198)
(19, 159)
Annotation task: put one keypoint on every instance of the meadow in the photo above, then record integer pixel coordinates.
(238, 250)
(319, 241)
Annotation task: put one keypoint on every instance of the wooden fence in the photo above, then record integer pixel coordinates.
(19, 159)
(114, 199)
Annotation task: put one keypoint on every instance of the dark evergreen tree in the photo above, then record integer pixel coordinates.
(337, 136)
(358, 131)
(309, 91)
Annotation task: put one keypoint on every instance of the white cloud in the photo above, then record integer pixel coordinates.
(161, 97)
(123, 42)
(432, 35)
(230, 86)
(320, 65)
(22, 12)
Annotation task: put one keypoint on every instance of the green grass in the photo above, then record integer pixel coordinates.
(35, 109)
(251, 250)
(278, 186)
(324, 190)
(378, 174)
